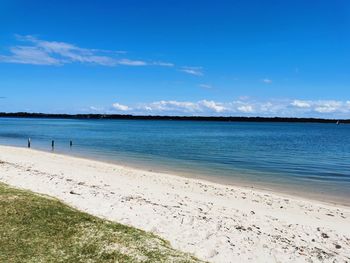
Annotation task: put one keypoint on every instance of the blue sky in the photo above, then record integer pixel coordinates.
(239, 58)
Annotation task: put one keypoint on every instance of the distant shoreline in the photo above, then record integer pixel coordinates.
(158, 117)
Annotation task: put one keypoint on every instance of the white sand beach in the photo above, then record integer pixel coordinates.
(215, 222)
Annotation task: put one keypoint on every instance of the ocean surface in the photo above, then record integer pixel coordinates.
(305, 159)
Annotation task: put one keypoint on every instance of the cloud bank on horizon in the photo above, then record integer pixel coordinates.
(244, 107)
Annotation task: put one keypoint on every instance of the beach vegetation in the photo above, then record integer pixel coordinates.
(38, 228)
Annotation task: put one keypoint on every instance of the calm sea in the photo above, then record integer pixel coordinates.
(297, 158)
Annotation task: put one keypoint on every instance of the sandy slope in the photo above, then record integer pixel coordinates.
(215, 222)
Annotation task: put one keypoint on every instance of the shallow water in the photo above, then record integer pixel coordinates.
(300, 158)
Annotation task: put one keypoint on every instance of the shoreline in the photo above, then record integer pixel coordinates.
(213, 221)
(38, 115)
(263, 187)
(223, 181)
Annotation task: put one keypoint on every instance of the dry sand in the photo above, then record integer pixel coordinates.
(215, 222)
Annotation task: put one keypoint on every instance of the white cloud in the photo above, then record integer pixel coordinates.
(273, 108)
(29, 55)
(67, 52)
(243, 97)
(163, 64)
(348, 104)
(42, 52)
(328, 106)
(128, 62)
(212, 105)
(96, 109)
(267, 81)
(196, 71)
(301, 104)
(172, 105)
(205, 86)
(120, 107)
(36, 51)
(321, 106)
(246, 108)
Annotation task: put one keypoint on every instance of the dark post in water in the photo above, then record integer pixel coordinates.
(28, 142)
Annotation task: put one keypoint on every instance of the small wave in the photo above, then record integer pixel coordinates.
(13, 135)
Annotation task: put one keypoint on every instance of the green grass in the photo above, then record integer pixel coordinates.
(37, 228)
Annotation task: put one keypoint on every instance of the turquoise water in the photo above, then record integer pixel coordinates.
(298, 158)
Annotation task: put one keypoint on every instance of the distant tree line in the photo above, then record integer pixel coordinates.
(152, 117)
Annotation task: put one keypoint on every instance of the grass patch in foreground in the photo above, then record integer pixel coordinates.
(37, 228)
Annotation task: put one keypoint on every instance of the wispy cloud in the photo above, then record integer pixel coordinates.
(35, 51)
(266, 81)
(163, 64)
(243, 97)
(29, 55)
(128, 62)
(196, 71)
(41, 52)
(246, 107)
(205, 86)
(95, 109)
